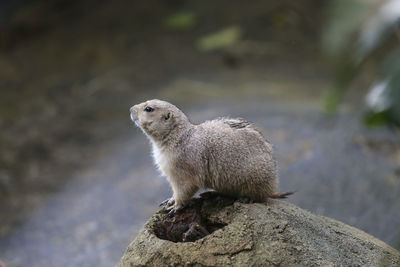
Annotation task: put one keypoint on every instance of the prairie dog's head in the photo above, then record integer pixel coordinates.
(157, 118)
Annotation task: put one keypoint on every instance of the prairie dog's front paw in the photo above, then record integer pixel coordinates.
(173, 209)
(168, 202)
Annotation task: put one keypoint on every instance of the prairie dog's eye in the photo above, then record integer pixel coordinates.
(149, 109)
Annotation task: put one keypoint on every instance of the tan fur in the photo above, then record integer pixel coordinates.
(228, 155)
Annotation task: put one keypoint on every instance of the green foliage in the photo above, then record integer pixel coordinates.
(344, 19)
(374, 119)
(332, 100)
(221, 39)
(358, 34)
(392, 74)
(181, 21)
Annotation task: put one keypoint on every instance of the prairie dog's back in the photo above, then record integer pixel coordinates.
(240, 158)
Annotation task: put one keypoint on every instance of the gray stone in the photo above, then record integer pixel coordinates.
(273, 234)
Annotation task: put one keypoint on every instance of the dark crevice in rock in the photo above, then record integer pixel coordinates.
(191, 223)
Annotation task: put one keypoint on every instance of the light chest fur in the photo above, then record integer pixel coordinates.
(161, 160)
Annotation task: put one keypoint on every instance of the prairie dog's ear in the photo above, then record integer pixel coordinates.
(167, 116)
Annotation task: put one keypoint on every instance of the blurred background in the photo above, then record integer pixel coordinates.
(77, 180)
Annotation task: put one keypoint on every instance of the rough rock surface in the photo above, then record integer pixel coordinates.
(273, 234)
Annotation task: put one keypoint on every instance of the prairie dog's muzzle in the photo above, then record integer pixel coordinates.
(133, 113)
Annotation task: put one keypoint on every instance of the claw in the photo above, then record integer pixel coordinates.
(171, 202)
(169, 208)
(171, 213)
(245, 200)
(173, 210)
(168, 202)
(164, 202)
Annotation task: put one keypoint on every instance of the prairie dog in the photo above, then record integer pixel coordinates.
(228, 155)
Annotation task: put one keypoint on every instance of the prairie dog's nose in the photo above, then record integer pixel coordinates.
(133, 113)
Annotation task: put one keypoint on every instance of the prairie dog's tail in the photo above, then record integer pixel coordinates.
(281, 194)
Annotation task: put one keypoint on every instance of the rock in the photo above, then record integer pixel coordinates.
(272, 234)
